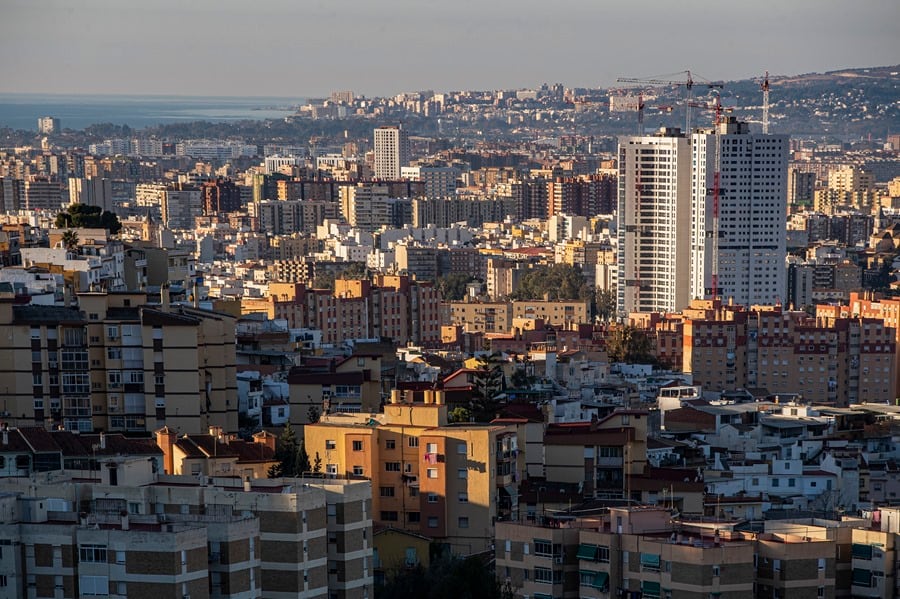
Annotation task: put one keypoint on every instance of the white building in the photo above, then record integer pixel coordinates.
(275, 163)
(654, 222)
(391, 152)
(440, 181)
(48, 125)
(752, 232)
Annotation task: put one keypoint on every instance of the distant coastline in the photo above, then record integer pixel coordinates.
(20, 111)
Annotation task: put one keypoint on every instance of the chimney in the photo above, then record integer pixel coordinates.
(265, 438)
(428, 396)
(102, 440)
(165, 439)
(395, 396)
(439, 398)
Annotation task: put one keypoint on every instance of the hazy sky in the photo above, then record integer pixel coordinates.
(380, 47)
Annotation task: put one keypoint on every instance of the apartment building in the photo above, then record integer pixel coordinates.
(118, 364)
(654, 231)
(177, 536)
(747, 257)
(351, 384)
(397, 307)
(835, 358)
(497, 317)
(391, 152)
(449, 482)
(642, 551)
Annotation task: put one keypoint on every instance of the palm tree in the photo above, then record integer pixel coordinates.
(70, 240)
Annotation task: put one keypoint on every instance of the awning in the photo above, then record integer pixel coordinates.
(860, 551)
(650, 559)
(601, 580)
(650, 588)
(587, 551)
(862, 578)
(512, 492)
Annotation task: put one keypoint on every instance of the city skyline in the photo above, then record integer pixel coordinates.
(396, 45)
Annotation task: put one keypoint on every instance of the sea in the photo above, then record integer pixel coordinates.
(21, 111)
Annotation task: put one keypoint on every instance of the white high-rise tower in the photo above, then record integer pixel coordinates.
(654, 223)
(391, 152)
(752, 214)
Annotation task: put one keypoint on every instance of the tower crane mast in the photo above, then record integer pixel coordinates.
(765, 90)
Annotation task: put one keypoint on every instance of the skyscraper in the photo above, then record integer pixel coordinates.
(654, 222)
(391, 152)
(752, 215)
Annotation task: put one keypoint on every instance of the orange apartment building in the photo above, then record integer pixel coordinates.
(449, 482)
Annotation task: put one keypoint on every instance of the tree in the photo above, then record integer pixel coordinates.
(317, 464)
(453, 286)
(312, 414)
(558, 282)
(487, 386)
(287, 451)
(630, 345)
(82, 216)
(605, 302)
(447, 577)
(303, 466)
(70, 240)
(459, 414)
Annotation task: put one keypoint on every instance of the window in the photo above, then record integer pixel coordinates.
(389, 516)
(432, 473)
(461, 449)
(432, 522)
(392, 466)
(462, 473)
(432, 498)
(463, 522)
(431, 448)
(331, 468)
(413, 517)
(603, 553)
(357, 446)
(820, 592)
(358, 471)
(463, 497)
(93, 585)
(413, 441)
(390, 444)
(92, 553)
(821, 563)
(330, 444)
(542, 547)
(386, 491)
(776, 565)
(717, 571)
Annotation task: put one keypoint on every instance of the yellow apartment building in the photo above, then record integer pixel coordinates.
(450, 482)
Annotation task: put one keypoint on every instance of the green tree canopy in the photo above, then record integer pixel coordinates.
(558, 282)
(447, 577)
(488, 383)
(630, 345)
(453, 286)
(291, 455)
(82, 216)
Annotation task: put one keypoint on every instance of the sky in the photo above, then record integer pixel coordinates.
(308, 48)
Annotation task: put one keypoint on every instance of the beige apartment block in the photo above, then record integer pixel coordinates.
(115, 363)
(450, 482)
(275, 538)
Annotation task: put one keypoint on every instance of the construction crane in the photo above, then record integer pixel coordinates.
(688, 85)
(715, 190)
(764, 86)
